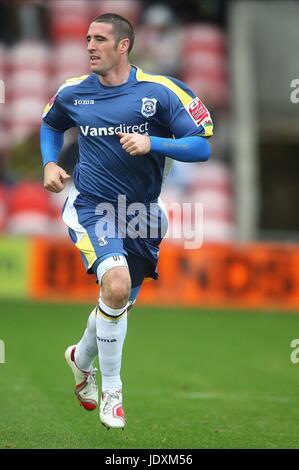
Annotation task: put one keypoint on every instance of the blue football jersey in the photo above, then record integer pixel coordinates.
(147, 104)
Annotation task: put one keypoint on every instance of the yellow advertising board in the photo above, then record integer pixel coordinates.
(15, 257)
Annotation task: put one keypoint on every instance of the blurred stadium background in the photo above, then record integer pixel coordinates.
(236, 298)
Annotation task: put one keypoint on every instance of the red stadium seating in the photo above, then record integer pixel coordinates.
(3, 61)
(29, 55)
(204, 37)
(70, 59)
(210, 185)
(27, 87)
(3, 207)
(130, 9)
(28, 83)
(69, 20)
(214, 189)
(204, 63)
(29, 210)
(24, 117)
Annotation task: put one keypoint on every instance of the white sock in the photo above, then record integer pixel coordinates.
(111, 333)
(87, 349)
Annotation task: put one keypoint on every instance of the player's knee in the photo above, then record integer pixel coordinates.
(114, 277)
(116, 287)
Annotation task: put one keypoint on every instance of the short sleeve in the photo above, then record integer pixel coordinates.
(55, 114)
(185, 114)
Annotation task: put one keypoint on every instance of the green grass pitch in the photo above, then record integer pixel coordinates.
(193, 379)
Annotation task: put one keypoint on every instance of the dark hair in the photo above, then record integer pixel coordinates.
(122, 27)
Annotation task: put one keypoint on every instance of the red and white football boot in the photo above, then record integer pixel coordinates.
(111, 410)
(86, 386)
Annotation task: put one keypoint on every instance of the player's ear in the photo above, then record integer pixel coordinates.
(124, 45)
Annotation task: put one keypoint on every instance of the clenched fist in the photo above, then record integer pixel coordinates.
(55, 177)
(135, 144)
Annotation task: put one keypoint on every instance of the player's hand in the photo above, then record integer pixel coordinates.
(135, 144)
(55, 177)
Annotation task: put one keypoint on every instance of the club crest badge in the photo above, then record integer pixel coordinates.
(149, 107)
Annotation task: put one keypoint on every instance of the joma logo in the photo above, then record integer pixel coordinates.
(105, 340)
(77, 102)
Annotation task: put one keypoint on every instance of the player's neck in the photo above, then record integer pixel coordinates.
(117, 76)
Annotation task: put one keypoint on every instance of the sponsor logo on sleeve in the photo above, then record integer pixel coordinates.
(198, 111)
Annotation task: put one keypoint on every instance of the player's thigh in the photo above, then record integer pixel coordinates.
(94, 254)
(85, 231)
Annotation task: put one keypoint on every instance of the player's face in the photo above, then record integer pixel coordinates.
(101, 46)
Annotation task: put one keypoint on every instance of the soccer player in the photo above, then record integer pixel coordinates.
(128, 121)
